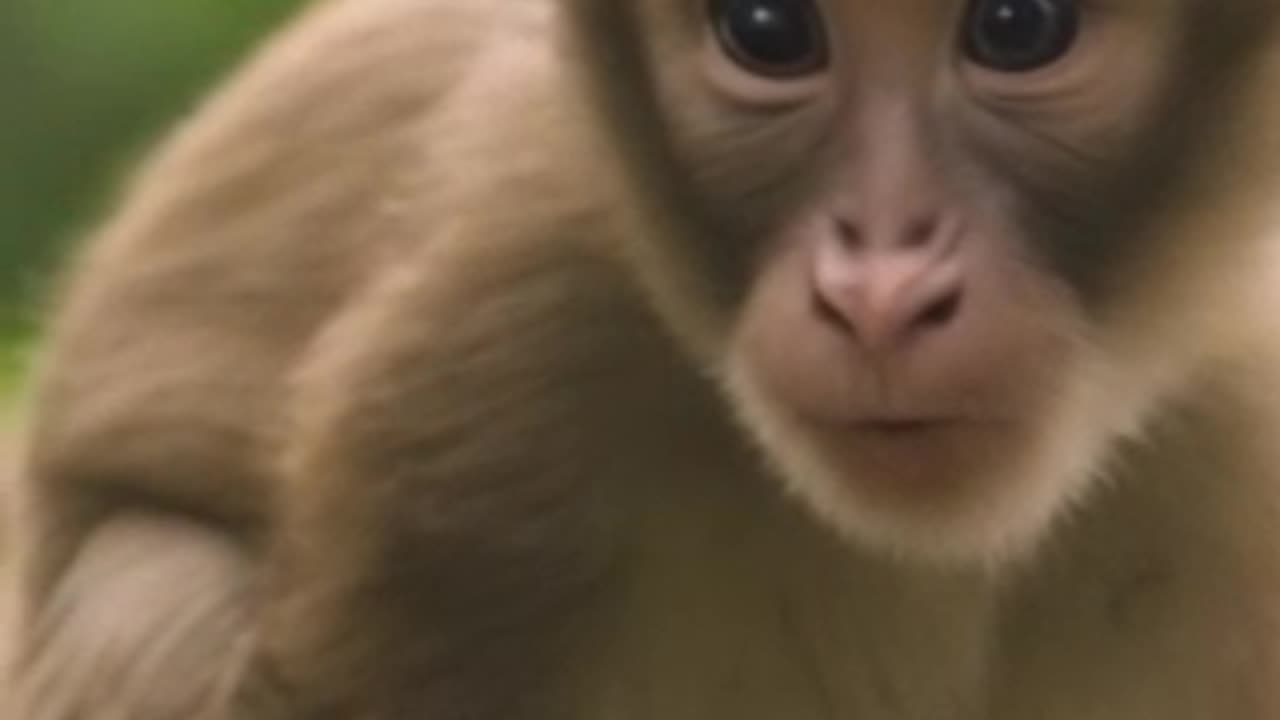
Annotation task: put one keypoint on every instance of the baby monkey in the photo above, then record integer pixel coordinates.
(680, 360)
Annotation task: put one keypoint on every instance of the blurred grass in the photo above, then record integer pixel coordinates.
(85, 87)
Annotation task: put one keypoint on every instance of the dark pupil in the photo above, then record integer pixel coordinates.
(1019, 35)
(773, 36)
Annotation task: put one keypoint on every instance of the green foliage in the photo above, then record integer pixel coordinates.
(85, 85)
(13, 365)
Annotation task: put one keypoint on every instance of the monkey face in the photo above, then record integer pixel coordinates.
(954, 244)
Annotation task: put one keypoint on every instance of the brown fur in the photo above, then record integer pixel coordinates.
(379, 400)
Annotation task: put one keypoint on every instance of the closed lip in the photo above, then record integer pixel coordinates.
(907, 426)
(896, 426)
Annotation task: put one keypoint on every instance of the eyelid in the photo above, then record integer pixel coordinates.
(743, 89)
(1064, 73)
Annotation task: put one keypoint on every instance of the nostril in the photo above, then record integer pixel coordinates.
(849, 234)
(940, 311)
(831, 315)
(921, 232)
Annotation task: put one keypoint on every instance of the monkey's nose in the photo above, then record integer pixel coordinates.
(889, 295)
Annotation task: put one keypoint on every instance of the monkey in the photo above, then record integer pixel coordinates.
(679, 359)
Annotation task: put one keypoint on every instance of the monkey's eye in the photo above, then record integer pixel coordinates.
(774, 38)
(1020, 35)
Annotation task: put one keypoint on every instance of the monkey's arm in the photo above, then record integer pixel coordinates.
(147, 624)
(442, 488)
(150, 482)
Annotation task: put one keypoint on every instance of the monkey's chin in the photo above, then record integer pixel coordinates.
(945, 492)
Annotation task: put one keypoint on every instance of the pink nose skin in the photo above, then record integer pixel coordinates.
(890, 287)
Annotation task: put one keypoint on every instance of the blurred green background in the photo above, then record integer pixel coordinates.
(88, 86)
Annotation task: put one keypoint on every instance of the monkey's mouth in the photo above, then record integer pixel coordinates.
(906, 426)
(893, 425)
(911, 430)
